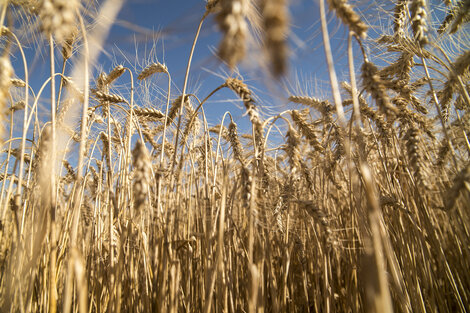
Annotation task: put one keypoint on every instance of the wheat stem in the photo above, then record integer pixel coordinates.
(185, 85)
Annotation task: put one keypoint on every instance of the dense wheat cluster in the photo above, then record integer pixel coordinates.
(362, 204)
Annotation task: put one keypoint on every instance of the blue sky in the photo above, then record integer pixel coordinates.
(149, 30)
(171, 26)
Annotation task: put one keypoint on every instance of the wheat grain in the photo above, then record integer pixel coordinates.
(175, 107)
(276, 20)
(460, 183)
(324, 107)
(306, 129)
(244, 93)
(246, 181)
(152, 69)
(419, 21)
(399, 17)
(58, 18)
(17, 82)
(149, 114)
(292, 148)
(401, 68)
(379, 121)
(231, 20)
(403, 44)
(211, 5)
(235, 142)
(31, 6)
(348, 16)
(412, 147)
(142, 168)
(67, 45)
(18, 106)
(376, 87)
(458, 15)
(6, 72)
(71, 175)
(5, 31)
(148, 135)
(442, 154)
(459, 67)
(106, 97)
(106, 153)
(114, 74)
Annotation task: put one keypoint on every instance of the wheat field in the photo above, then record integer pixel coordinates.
(354, 202)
